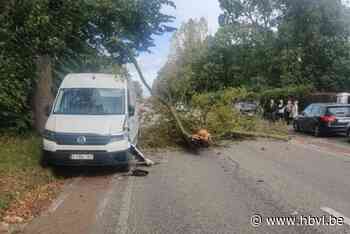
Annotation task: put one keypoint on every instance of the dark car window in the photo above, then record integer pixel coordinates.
(308, 110)
(341, 111)
(317, 111)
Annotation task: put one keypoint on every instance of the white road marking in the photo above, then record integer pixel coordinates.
(122, 226)
(57, 203)
(102, 206)
(68, 190)
(336, 214)
(295, 213)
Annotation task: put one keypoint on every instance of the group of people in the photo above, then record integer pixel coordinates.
(280, 111)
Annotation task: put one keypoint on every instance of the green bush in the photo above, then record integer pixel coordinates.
(215, 112)
(16, 80)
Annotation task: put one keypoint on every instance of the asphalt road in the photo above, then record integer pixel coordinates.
(217, 191)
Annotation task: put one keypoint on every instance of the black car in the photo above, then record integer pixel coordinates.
(324, 118)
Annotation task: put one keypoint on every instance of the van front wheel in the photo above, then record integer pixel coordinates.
(124, 168)
(44, 163)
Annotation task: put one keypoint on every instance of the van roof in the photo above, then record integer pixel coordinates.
(343, 94)
(93, 80)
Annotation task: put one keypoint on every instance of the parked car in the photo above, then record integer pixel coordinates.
(323, 118)
(247, 108)
(92, 122)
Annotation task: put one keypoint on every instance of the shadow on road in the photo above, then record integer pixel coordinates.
(71, 172)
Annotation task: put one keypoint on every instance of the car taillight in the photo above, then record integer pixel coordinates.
(328, 118)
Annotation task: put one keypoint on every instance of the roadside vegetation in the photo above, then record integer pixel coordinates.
(211, 111)
(24, 185)
(41, 41)
(158, 129)
(263, 50)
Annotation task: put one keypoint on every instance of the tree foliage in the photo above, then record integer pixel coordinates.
(77, 35)
(187, 47)
(269, 44)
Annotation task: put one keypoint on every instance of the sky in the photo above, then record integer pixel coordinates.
(152, 62)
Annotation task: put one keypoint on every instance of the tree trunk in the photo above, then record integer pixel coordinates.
(186, 135)
(42, 98)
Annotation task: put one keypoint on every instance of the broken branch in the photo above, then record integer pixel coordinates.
(186, 136)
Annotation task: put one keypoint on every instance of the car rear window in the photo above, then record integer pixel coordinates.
(339, 111)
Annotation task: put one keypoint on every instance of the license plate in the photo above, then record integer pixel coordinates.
(82, 157)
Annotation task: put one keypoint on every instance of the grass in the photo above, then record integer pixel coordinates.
(20, 170)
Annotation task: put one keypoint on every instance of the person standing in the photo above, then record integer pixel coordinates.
(288, 112)
(280, 110)
(295, 111)
(272, 110)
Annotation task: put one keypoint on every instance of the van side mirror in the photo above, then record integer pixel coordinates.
(131, 110)
(48, 110)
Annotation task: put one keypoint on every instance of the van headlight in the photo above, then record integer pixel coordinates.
(49, 135)
(119, 137)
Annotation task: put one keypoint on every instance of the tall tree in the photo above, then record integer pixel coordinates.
(187, 46)
(47, 30)
(315, 36)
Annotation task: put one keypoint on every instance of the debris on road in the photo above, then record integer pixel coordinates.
(140, 156)
(202, 138)
(259, 135)
(139, 173)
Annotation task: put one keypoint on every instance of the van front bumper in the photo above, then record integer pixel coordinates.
(101, 158)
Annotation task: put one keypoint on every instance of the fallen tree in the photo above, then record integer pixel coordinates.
(199, 139)
(236, 133)
(187, 137)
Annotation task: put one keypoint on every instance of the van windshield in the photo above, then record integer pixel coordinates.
(90, 101)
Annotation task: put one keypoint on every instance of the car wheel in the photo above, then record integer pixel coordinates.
(44, 163)
(125, 168)
(317, 131)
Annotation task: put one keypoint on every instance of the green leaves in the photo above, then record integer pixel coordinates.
(317, 31)
(284, 46)
(277, 43)
(129, 25)
(78, 35)
(189, 47)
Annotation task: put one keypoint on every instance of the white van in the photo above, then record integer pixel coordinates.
(343, 98)
(92, 122)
